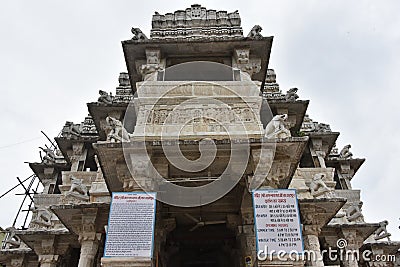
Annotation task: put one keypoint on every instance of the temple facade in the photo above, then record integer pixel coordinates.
(200, 119)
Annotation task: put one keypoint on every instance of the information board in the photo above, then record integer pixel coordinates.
(277, 221)
(130, 231)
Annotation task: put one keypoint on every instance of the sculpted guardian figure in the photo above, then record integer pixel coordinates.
(78, 189)
(105, 98)
(354, 213)
(118, 133)
(12, 240)
(138, 35)
(345, 152)
(255, 32)
(291, 95)
(382, 232)
(318, 186)
(276, 127)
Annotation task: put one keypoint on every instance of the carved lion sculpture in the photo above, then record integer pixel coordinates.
(318, 186)
(255, 32)
(291, 95)
(117, 133)
(105, 98)
(138, 35)
(78, 187)
(276, 127)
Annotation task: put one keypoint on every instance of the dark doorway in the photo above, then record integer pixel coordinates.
(208, 246)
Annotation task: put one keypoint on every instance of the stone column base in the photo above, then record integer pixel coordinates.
(125, 262)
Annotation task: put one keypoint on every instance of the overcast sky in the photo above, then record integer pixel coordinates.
(342, 55)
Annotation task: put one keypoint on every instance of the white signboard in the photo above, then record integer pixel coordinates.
(130, 231)
(277, 221)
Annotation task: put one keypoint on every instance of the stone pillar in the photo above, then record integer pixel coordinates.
(352, 250)
(89, 246)
(88, 238)
(311, 230)
(46, 249)
(311, 244)
(48, 260)
(246, 233)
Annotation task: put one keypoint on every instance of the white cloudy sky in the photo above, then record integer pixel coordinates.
(342, 55)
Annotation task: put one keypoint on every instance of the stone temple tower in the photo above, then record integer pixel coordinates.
(199, 121)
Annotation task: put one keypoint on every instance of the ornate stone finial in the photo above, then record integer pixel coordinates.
(78, 189)
(12, 240)
(117, 131)
(88, 126)
(255, 32)
(345, 153)
(138, 35)
(271, 76)
(382, 232)
(276, 128)
(354, 212)
(123, 79)
(196, 22)
(105, 98)
(291, 95)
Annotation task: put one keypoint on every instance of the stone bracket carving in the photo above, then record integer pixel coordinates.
(243, 62)
(153, 64)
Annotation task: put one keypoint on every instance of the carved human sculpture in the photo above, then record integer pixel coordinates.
(382, 232)
(345, 152)
(117, 133)
(318, 186)
(12, 240)
(105, 98)
(276, 128)
(354, 212)
(291, 95)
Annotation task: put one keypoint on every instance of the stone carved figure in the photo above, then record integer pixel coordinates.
(70, 129)
(242, 56)
(105, 98)
(276, 127)
(291, 95)
(78, 189)
(354, 212)
(322, 127)
(345, 152)
(318, 186)
(138, 35)
(12, 240)
(382, 232)
(152, 65)
(255, 32)
(41, 217)
(49, 157)
(118, 133)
